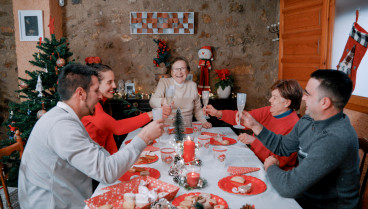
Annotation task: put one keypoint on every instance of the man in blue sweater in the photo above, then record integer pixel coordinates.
(328, 172)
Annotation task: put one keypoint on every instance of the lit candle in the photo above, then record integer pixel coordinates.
(192, 179)
(189, 150)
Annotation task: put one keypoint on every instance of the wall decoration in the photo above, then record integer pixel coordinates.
(30, 25)
(162, 22)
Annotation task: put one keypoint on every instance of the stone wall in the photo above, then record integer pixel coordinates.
(235, 28)
(8, 62)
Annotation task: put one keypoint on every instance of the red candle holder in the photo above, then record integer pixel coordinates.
(193, 175)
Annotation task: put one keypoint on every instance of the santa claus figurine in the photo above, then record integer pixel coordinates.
(205, 56)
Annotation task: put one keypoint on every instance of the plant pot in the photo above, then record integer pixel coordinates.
(224, 93)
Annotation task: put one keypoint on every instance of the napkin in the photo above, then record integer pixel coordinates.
(235, 170)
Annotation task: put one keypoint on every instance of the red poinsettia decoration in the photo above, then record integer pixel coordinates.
(223, 78)
(91, 60)
(163, 53)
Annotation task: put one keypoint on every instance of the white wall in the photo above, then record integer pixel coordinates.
(344, 18)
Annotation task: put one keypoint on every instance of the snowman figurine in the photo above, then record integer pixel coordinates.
(205, 56)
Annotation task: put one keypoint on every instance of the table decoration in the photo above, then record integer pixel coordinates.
(189, 150)
(187, 130)
(228, 185)
(162, 204)
(248, 206)
(140, 171)
(167, 155)
(115, 193)
(196, 196)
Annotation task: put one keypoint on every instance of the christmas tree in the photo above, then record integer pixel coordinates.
(38, 94)
(179, 126)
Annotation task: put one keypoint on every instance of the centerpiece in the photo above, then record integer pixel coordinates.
(224, 83)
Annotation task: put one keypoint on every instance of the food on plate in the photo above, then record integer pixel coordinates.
(129, 197)
(136, 169)
(219, 207)
(245, 188)
(247, 206)
(105, 207)
(144, 173)
(203, 199)
(238, 179)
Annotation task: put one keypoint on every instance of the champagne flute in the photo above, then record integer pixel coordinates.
(157, 115)
(169, 95)
(241, 98)
(205, 99)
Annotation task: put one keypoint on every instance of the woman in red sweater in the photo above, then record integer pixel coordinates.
(280, 118)
(102, 126)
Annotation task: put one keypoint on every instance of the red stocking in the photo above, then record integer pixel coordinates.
(354, 50)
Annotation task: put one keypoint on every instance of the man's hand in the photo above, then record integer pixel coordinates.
(166, 111)
(271, 160)
(209, 109)
(152, 131)
(248, 121)
(246, 138)
(207, 125)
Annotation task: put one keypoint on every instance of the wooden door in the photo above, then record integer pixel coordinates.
(304, 38)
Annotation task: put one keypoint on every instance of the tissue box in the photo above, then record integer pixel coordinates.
(115, 195)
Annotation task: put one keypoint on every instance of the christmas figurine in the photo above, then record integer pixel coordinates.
(205, 56)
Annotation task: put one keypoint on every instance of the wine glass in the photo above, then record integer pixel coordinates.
(157, 115)
(205, 99)
(241, 98)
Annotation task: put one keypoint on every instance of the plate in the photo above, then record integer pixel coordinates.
(258, 186)
(152, 173)
(211, 134)
(146, 161)
(187, 131)
(179, 199)
(231, 141)
(128, 141)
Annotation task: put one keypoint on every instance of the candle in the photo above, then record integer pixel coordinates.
(189, 151)
(192, 179)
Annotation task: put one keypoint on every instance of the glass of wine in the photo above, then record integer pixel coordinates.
(205, 99)
(241, 98)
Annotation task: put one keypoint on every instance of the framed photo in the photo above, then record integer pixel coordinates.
(30, 25)
(189, 77)
(130, 89)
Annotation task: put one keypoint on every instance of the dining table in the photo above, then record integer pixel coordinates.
(237, 154)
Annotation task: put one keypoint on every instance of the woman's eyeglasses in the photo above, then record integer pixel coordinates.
(182, 69)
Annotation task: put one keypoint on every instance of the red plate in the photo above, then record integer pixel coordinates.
(258, 186)
(211, 134)
(147, 161)
(187, 131)
(231, 141)
(128, 141)
(152, 173)
(219, 200)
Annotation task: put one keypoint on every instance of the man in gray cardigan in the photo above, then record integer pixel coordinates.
(60, 158)
(328, 172)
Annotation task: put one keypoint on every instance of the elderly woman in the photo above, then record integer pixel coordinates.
(280, 117)
(186, 95)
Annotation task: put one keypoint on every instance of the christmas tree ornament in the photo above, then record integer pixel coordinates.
(46, 68)
(39, 87)
(205, 56)
(354, 51)
(41, 112)
(23, 84)
(60, 62)
(39, 54)
(11, 114)
(28, 110)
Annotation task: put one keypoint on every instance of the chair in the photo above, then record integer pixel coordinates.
(6, 151)
(363, 195)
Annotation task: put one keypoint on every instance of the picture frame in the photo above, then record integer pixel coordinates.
(190, 77)
(130, 89)
(30, 25)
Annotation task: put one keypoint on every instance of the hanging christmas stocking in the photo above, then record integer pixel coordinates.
(204, 78)
(354, 50)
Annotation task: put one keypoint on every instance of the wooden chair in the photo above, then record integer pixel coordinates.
(363, 193)
(6, 151)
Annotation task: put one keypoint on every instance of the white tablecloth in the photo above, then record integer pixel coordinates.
(237, 155)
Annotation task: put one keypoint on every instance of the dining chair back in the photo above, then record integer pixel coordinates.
(6, 151)
(363, 193)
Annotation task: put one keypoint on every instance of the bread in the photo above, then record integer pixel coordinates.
(245, 188)
(225, 142)
(238, 179)
(128, 205)
(105, 207)
(144, 173)
(186, 203)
